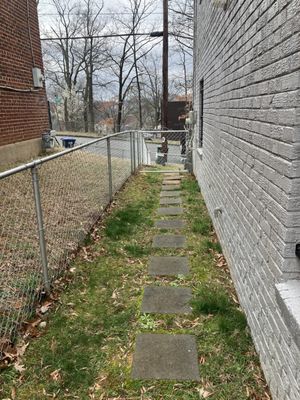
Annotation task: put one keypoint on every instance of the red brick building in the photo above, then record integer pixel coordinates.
(23, 105)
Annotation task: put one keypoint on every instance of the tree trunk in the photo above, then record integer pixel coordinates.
(119, 116)
(91, 91)
(85, 110)
(66, 115)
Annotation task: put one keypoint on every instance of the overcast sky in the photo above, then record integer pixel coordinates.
(47, 14)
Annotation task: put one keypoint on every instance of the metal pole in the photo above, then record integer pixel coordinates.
(142, 147)
(41, 229)
(110, 187)
(165, 68)
(134, 152)
(138, 149)
(131, 152)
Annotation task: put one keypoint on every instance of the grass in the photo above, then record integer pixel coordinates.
(86, 349)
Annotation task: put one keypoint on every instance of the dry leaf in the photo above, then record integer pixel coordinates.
(55, 375)
(204, 394)
(13, 393)
(21, 349)
(20, 368)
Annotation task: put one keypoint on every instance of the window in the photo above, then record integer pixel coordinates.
(201, 99)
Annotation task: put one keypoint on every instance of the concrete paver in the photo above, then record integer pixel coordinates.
(170, 200)
(168, 266)
(170, 187)
(170, 211)
(168, 241)
(159, 356)
(166, 300)
(170, 193)
(170, 224)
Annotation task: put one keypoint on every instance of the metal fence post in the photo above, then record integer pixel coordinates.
(41, 229)
(131, 152)
(134, 152)
(110, 187)
(141, 147)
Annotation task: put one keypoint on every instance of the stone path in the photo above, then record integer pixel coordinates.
(170, 187)
(166, 300)
(169, 266)
(169, 224)
(170, 194)
(167, 356)
(168, 241)
(169, 200)
(159, 356)
(170, 211)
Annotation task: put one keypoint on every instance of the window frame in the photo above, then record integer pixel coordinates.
(201, 111)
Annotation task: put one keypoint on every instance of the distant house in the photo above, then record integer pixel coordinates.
(23, 104)
(246, 157)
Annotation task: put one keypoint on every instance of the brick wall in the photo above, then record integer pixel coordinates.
(249, 165)
(23, 115)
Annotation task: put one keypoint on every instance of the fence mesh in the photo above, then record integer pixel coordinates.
(166, 147)
(74, 191)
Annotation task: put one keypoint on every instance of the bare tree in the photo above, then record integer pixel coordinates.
(70, 64)
(64, 61)
(128, 52)
(93, 51)
(152, 85)
(182, 12)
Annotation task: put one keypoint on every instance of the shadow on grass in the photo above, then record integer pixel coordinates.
(215, 301)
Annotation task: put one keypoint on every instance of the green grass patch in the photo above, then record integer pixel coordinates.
(211, 301)
(123, 222)
(202, 226)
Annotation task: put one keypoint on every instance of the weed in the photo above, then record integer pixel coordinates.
(235, 320)
(202, 226)
(211, 301)
(147, 322)
(208, 244)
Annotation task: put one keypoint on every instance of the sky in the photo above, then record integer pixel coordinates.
(47, 14)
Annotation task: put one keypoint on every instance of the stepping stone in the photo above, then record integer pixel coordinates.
(172, 177)
(170, 187)
(166, 300)
(170, 182)
(170, 224)
(168, 266)
(169, 200)
(170, 211)
(170, 194)
(159, 356)
(168, 241)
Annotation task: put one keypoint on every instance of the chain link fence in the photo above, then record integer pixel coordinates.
(47, 207)
(167, 147)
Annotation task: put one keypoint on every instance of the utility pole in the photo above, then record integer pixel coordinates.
(165, 67)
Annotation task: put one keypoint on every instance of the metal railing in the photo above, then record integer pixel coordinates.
(47, 207)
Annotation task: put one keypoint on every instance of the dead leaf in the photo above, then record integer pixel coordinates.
(13, 393)
(21, 349)
(55, 375)
(19, 367)
(204, 394)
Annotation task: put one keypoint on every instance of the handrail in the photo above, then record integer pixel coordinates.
(43, 160)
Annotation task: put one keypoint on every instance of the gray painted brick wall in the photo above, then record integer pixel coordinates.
(249, 165)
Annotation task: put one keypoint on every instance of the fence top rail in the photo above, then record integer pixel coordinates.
(43, 160)
(166, 131)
